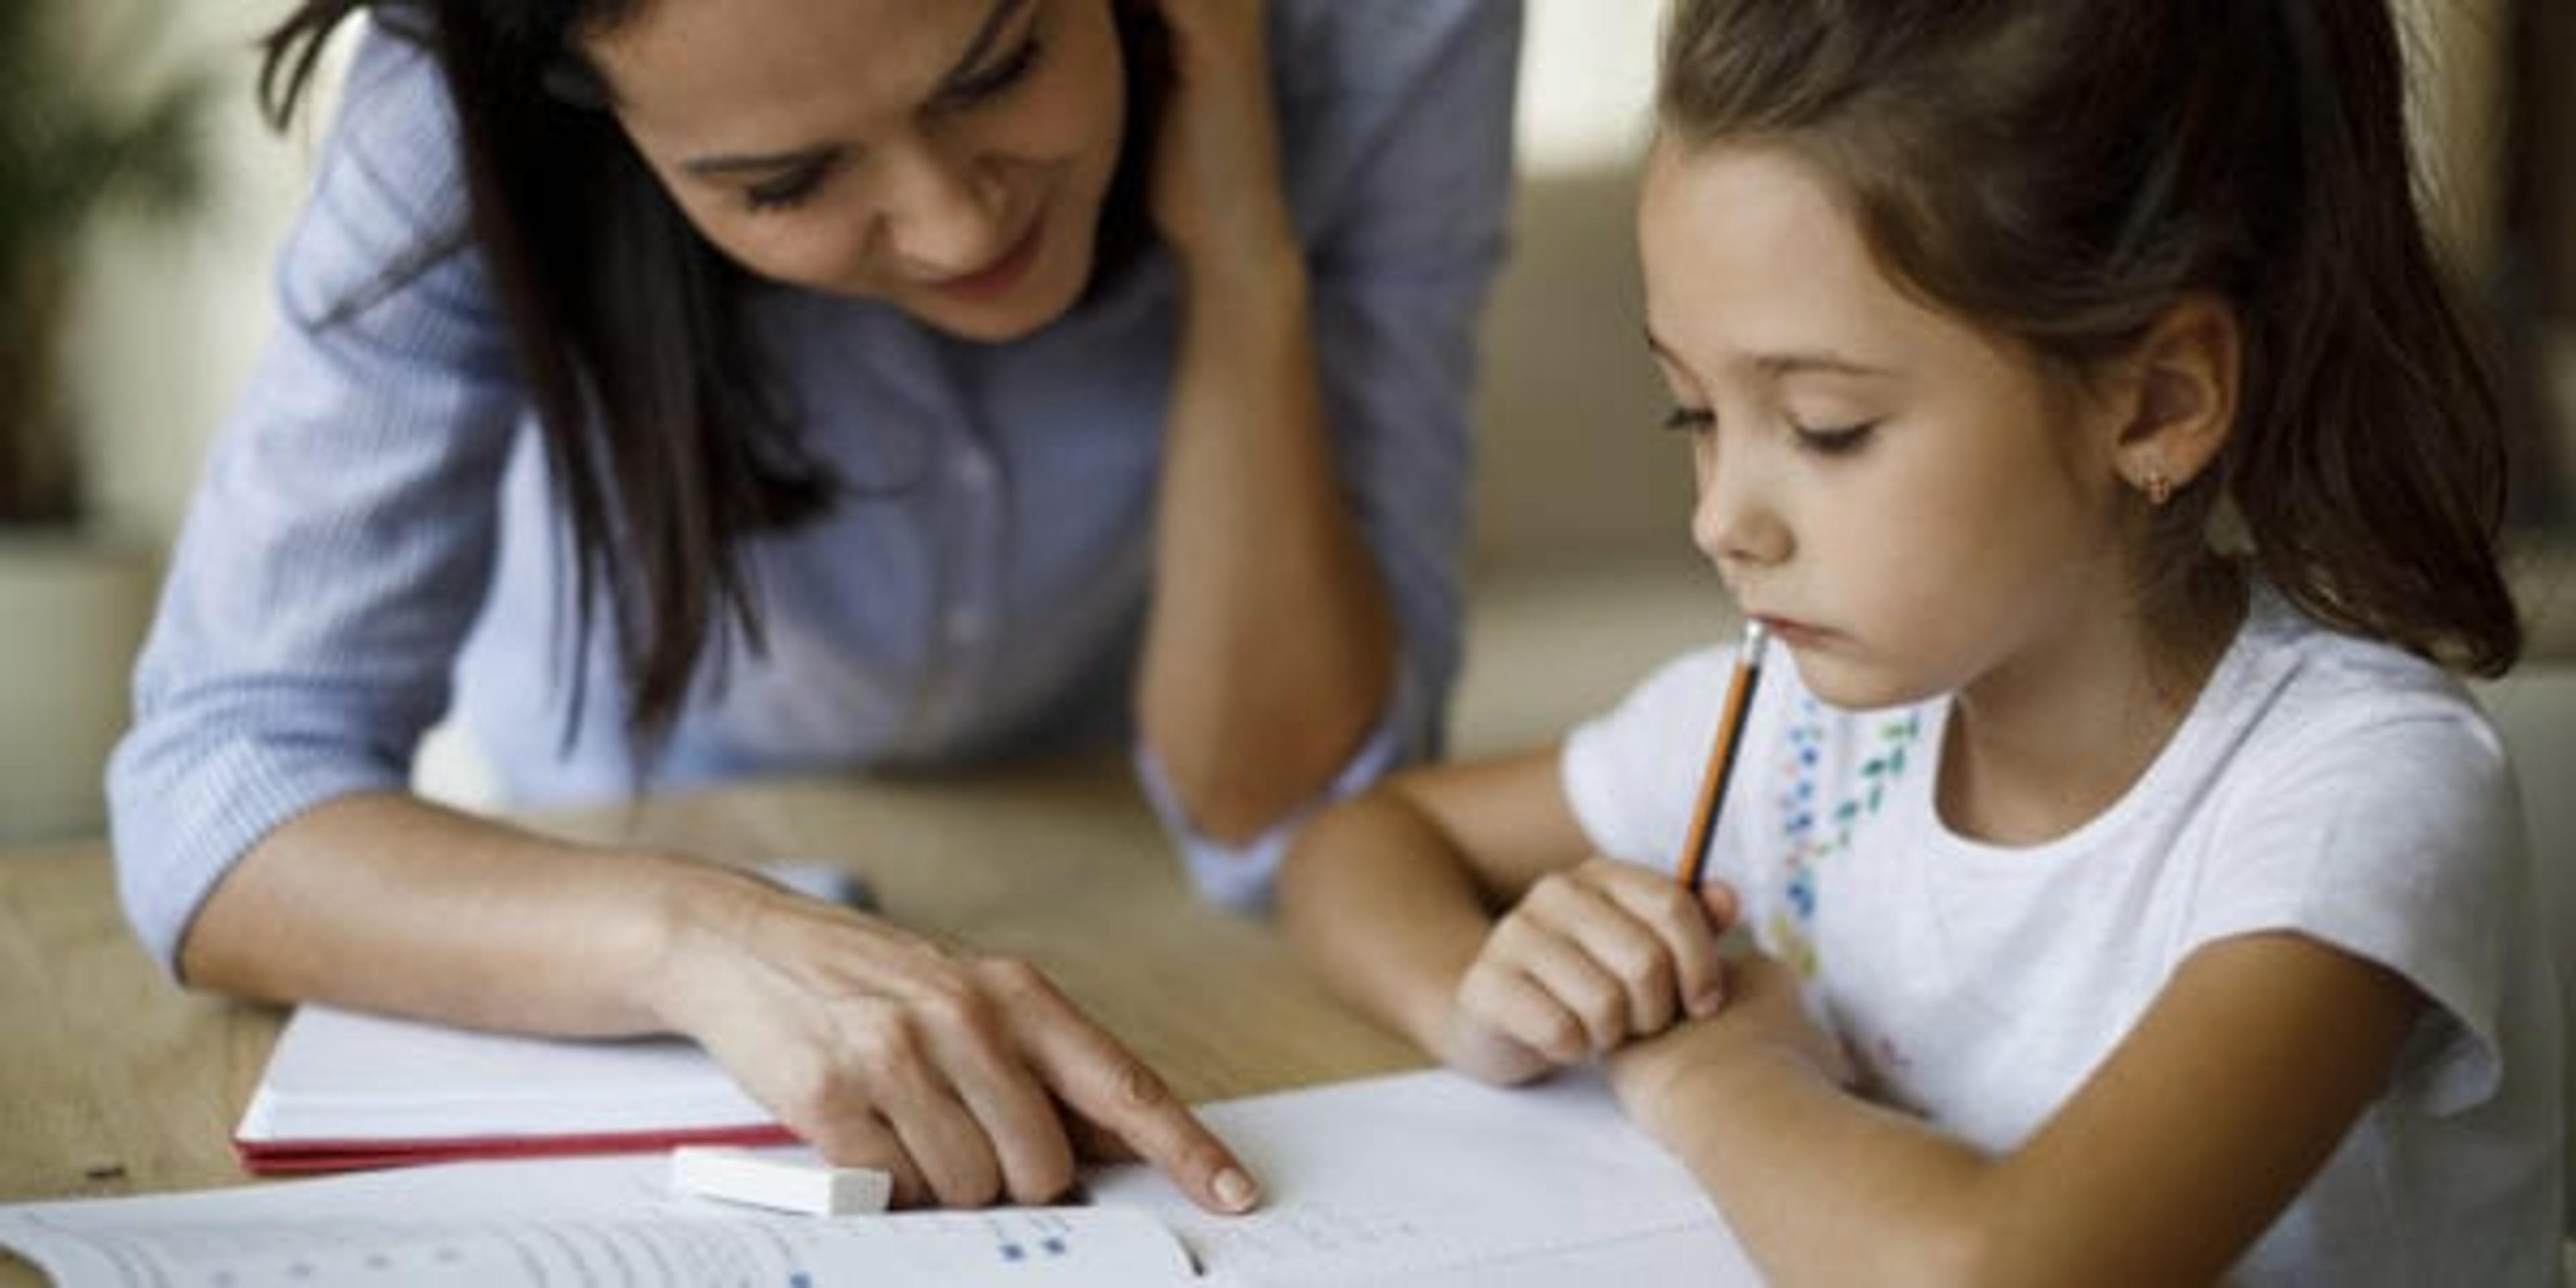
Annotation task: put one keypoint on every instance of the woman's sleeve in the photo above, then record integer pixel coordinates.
(1396, 118)
(339, 544)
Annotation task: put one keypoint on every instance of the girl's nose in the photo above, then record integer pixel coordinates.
(1737, 522)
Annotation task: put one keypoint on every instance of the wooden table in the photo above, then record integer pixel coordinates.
(114, 1081)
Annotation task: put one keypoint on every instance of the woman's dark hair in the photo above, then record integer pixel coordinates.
(670, 446)
(2063, 171)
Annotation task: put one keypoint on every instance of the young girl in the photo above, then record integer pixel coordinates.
(2073, 394)
(791, 385)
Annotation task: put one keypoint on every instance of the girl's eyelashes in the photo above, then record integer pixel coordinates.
(1838, 441)
(1690, 420)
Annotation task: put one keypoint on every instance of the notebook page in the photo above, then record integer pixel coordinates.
(567, 1222)
(1432, 1177)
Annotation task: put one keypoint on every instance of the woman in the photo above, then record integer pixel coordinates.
(781, 383)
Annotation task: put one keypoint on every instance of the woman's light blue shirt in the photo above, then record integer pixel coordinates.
(375, 541)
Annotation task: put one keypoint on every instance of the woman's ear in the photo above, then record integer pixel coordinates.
(2186, 372)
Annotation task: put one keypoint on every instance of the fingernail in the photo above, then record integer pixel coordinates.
(1706, 1004)
(1235, 1191)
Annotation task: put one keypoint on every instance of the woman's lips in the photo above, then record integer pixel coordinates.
(1002, 275)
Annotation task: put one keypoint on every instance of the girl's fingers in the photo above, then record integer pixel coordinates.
(1607, 930)
(1686, 939)
(1505, 999)
(1489, 1054)
(1582, 985)
(1645, 931)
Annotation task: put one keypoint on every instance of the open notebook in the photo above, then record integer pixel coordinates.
(346, 1090)
(1420, 1179)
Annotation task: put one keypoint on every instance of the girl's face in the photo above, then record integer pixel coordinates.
(1912, 503)
(949, 157)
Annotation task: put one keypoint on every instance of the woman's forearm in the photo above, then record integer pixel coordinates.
(1271, 646)
(388, 903)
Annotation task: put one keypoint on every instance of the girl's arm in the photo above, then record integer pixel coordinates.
(1393, 897)
(1390, 896)
(2174, 1156)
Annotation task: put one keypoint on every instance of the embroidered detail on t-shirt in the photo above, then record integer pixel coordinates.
(1812, 832)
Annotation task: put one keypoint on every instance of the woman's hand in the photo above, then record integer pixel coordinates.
(1217, 193)
(970, 1078)
(1591, 958)
(1765, 1016)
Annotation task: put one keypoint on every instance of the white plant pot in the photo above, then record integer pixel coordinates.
(73, 611)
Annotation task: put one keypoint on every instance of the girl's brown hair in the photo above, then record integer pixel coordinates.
(2062, 171)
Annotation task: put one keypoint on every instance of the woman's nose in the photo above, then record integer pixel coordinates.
(942, 214)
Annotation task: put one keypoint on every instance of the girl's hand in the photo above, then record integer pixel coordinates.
(970, 1078)
(1217, 193)
(1765, 1016)
(1591, 958)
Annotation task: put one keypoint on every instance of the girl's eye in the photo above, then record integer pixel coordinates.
(787, 190)
(994, 81)
(1690, 420)
(1840, 441)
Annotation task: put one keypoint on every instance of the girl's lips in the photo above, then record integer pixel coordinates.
(1792, 632)
(999, 277)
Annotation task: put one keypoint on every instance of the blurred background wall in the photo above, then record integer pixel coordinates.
(1580, 548)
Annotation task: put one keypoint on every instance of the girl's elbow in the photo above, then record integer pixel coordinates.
(1975, 1244)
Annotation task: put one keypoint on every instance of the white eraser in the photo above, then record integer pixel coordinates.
(785, 1185)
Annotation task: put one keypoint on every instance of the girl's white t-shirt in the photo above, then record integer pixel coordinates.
(2321, 784)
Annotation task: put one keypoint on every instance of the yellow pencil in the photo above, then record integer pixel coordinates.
(1721, 758)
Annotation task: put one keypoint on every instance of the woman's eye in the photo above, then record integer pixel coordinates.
(785, 191)
(1838, 441)
(1690, 420)
(994, 81)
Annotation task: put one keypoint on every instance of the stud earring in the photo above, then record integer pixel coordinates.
(2159, 488)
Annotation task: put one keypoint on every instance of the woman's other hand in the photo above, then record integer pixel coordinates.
(1217, 192)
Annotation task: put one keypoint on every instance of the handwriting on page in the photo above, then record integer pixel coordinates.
(1396, 1179)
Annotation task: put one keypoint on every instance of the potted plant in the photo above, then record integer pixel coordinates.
(86, 137)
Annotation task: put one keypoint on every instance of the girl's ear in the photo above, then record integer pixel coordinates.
(2186, 372)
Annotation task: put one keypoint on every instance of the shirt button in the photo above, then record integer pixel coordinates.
(965, 626)
(974, 471)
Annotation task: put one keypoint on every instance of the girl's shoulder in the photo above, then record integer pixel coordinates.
(2303, 688)
(2332, 764)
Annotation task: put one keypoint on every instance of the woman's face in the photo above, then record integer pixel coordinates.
(949, 157)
